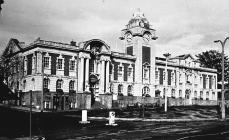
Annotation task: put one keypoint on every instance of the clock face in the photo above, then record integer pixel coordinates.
(128, 37)
(146, 37)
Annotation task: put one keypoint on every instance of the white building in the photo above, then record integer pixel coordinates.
(69, 69)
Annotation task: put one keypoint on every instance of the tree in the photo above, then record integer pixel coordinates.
(9, 67)
(212, 59)
(1, 2)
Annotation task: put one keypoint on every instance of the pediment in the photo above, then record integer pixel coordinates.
(187, 57)
(12, 48)
(96, 46)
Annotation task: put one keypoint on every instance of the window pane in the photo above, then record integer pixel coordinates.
(46, 62)
(72, 65)
(59, 66)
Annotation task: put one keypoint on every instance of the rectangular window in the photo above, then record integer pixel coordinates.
(195, 94)
(120, 71)
(156, 74)
(201, 95)
(72, 65)
(129, 72)
(60, 64)
(180, 93)
(146, 73)
(34, 62)
(163, 75)
(46, 83)
(25, 66)
(213, 95)
(46, 62)
(207, 95)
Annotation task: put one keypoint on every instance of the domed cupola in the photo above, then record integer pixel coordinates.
(138, 20)
(138, 25)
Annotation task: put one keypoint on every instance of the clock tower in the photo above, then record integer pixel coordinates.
(138, 38)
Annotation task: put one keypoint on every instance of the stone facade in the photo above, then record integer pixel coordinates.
(59, 73)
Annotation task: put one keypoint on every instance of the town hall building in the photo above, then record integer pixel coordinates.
(56, 72)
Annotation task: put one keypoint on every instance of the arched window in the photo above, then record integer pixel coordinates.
(207, 95)
(17, 85)
(59, 84)
(129, 90)
(195, 94)
(180, 93)
(120, 89)
(145, 91)
(201, 95)
(71, 85)
(112, 88)
(187, 93)
(46, 83)
(24, 84)
(173, 93)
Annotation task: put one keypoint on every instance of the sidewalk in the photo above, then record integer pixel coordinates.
(21, 108)
(156, 120)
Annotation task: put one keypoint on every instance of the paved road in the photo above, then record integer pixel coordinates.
(143, 130)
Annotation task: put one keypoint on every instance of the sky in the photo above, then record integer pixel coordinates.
(182, 26)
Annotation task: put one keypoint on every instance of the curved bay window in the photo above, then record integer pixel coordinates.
(129, 90)
(120, 89)
(145, 91)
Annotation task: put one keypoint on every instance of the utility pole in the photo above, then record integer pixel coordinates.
(30, 115)
(222, 90)
(42, 79)
(167, 55)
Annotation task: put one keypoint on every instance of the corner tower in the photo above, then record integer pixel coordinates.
(138, 38)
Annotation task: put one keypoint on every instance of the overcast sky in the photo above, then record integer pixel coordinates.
(183, 26)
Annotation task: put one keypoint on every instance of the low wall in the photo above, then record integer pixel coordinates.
(124, 101)
(178, 102)
(106, 100)
(83, 100)
(204, 102)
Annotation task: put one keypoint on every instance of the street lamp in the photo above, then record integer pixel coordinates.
(222, 90)
(167, 55)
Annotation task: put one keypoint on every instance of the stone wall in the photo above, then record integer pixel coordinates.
(36, 98)
(124, 101)
(106, 100)
(204, 102)
(83, 100)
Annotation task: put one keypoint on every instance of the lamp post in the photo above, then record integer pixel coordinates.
(167, 55)
(222, 90)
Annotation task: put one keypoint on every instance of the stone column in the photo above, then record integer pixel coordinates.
(107, 76)
(39, 62)
(101, 85)
(87, 74)
(81, 74)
